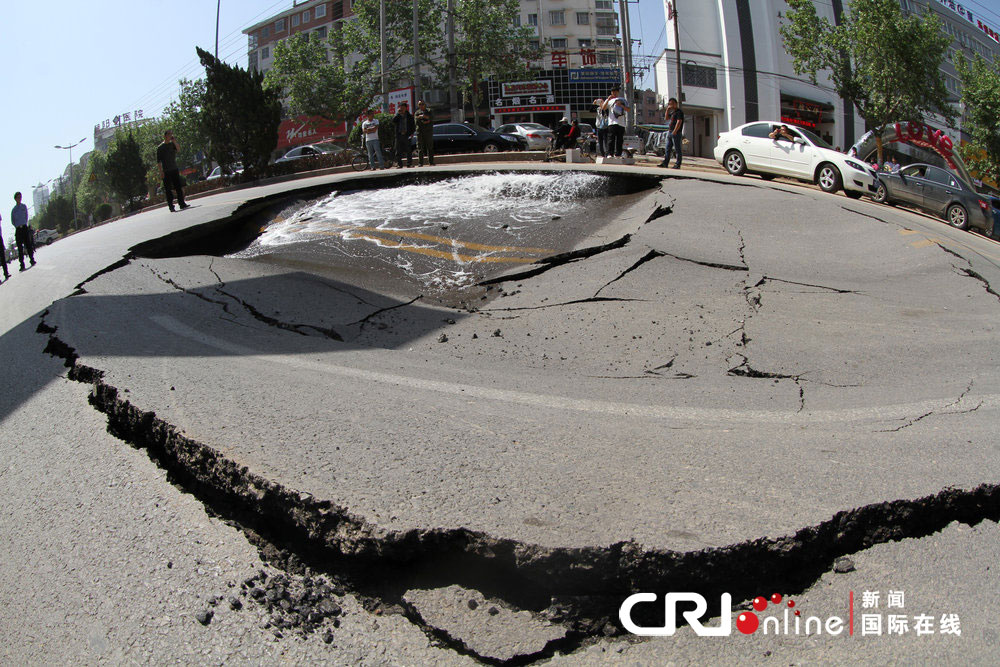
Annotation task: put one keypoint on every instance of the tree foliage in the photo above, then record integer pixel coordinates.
(240, 117)
(126, 170)
(57, 214)
(488, 44)
(981, 96)
(185, 117)
(361, 38)
(885, 63)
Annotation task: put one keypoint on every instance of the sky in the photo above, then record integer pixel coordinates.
(73, 65)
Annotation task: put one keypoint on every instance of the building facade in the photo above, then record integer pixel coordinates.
(734, 68)
(40, 197)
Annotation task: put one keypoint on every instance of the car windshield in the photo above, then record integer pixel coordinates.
(477, 128)
(815, 139)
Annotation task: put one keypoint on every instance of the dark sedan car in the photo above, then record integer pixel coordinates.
(938, 192)
(469, 138)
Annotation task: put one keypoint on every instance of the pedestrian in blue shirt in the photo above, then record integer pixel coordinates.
(22, 233)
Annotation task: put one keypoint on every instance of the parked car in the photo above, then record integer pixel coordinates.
(217, 172)
(469, 138)
(537, 136)
(806, 157)
(46, 236)
(309, 150)
(996, 219)
(938, 192)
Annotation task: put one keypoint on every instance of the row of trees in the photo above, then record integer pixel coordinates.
(338, 77)
(888, 65)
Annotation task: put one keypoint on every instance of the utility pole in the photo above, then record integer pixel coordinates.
(627, 56)
(382, 56)
(677, 49)
(416, 56)
(456, 113)
(218, 8)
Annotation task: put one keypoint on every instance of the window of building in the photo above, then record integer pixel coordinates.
(557, 17)
(586, 43)
(306, 16)
(252, 61)
(320, 11)
(321, 32)
(534, 44)
(699, 76)
(532, 19)
(265, 31)
(265, 53)
(607, 52)
(605, 5)
(607, 25)
(583, 18)
(558, 42)
(253, 42)
(517, 20)
(295, 20)
(279, 25)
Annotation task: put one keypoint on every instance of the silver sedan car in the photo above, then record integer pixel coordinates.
(538, 136)
(938, 192)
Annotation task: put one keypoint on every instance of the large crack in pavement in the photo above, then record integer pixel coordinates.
(580, 588)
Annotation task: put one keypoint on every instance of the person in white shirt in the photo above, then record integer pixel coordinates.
(372, 143)
(617, 108)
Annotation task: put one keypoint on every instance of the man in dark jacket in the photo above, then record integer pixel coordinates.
(166, 161)
(425, 132)
(404, 127)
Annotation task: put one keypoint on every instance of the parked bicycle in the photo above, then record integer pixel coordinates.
(359, 159)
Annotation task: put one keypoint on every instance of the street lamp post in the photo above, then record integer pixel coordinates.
(72, 186)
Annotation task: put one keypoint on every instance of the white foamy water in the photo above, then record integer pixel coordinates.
(494, 200)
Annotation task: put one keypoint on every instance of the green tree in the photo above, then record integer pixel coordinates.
(94, 188)
(361, 37)
(126, 170)
(885, 63)
(57, 214)
(241, 118)
(488, 44)
(981, 97)
(184, 116)
(311, 75)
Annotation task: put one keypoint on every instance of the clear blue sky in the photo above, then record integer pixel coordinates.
(68, 65)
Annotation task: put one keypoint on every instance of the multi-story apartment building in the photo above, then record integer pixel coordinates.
(734, 68)
(40, 197)
(311, 16)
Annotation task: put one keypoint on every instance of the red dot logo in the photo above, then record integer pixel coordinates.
(791, 603)
(759, 603)
(747, 622)
(776, 598)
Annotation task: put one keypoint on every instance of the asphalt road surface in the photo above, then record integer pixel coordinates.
(292, 425)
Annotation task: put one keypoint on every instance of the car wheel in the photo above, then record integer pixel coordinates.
(48, 241)
(491, 147)
(735, 164)
(958, 217)
(852, 194)
(828, 178)
(881, 194)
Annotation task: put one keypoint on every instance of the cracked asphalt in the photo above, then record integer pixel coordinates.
(729, 370)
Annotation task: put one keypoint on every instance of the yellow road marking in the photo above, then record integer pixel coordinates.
(442, 254)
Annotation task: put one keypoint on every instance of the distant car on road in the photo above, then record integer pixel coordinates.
(938, 192)
(996, 218)
(46, 236)
(309, 150)
(804, 156)
(538, 136)
(217, 172)
(469, 138)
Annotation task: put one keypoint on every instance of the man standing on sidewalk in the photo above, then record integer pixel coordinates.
(675, 132)
(403, 124)
(425, 133)
(22, 233)
(372, 143)
(166, 160)
(617, 108)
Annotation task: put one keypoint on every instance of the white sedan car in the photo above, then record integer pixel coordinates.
(749, 148)
(539, 137)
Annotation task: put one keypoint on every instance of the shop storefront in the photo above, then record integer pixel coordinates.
(815, 116)
(555, 94)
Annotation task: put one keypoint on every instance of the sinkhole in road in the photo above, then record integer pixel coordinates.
(441, 235)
